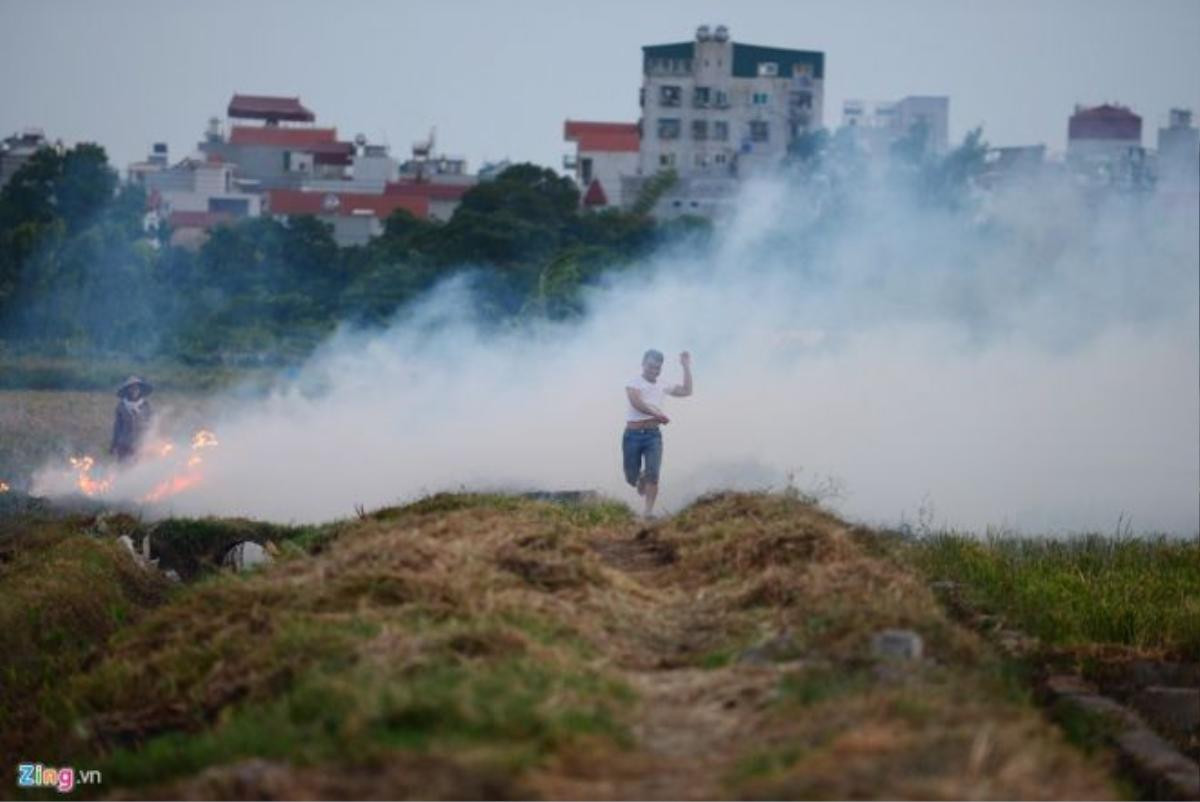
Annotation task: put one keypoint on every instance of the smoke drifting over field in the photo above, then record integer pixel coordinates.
(1031, 364)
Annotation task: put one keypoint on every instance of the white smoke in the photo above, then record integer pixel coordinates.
(1033, 365)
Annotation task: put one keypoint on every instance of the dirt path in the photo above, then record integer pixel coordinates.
(692, 722)
(697, 726)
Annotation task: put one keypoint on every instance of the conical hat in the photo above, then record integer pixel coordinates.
(147, 388)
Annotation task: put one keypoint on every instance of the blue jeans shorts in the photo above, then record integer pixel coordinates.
(642, 451)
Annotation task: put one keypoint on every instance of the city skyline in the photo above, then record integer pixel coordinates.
(498, 82)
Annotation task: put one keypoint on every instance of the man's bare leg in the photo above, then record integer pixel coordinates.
(651, 494)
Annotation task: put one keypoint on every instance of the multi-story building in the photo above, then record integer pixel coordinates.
(714, 111)
(877, 125)
(17, 149)
(1102, 134)
(192, 196)
(286, 166)
(1104, 147)
(284, 151)
(1179, 152)
(603, 153)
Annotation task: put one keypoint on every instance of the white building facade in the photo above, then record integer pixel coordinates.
(716, 111)
(879, 124)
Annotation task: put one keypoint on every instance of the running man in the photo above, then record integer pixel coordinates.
(641, 445)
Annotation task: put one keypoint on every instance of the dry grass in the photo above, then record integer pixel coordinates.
(495, 647)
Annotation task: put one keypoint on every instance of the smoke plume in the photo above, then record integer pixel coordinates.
(1029, 361)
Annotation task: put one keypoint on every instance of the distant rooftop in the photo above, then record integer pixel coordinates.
(615, 137)
(271, 109)
(746, 58)
(281, 137)
(1107, 121)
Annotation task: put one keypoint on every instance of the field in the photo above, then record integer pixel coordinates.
(482, 646)
(40, 426)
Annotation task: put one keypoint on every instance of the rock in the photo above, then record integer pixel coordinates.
(1143, 673)
(1068, 684)
(943, 586)
(902, 644)
(172, 575)
(245, 556)
(1176, 710)
(569, 497)
(782, 647)
(127, 542)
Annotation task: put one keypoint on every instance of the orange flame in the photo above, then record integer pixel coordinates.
(191, 475)
(3, 487)
(84, 481)
(203, 439)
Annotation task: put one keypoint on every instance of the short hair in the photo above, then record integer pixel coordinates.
(652, 354)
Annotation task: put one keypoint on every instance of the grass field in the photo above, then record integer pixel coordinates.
(1142, 594)
(40, 426)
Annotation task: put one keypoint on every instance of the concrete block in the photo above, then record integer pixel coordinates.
(902, 644)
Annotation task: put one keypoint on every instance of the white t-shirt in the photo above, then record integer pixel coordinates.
(653, 394)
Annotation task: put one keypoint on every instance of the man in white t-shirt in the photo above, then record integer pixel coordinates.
(641, 444)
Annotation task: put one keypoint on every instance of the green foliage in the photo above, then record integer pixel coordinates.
(80, 277)
(1143, 593)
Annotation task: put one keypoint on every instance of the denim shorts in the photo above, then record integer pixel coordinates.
(642, 452)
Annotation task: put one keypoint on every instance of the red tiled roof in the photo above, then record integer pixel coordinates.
(1105, 122)
(595, 195)
(265, 107)
(620, 137)
(297, 202)
(281, 137)
(427, 189)
(204, 220)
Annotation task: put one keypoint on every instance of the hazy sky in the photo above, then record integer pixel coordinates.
(498, 79)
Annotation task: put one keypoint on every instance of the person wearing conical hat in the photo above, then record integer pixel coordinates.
(133, 418)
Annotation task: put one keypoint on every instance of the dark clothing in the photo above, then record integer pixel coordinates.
(130, 426)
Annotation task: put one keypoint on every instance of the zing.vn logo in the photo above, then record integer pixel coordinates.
(35, 775)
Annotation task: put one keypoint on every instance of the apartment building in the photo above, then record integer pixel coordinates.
(716, 111)
(1178, 163)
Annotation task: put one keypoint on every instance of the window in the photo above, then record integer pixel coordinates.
(720, 130)
(668, 128)
(669, 95)
(761, 99)
(699, 130)
(758, 130)
(721, 99)
(666, 160)
(719, 158)
(700, 97)
(768, 69)
(642, 97)
(585, 171)
(700, 160)
(800, 100)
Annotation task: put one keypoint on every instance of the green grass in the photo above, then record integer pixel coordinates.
(1141, 593)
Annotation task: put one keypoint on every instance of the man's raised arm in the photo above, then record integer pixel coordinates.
(681, 390)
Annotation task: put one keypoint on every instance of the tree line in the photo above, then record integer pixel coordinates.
(79, 274)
